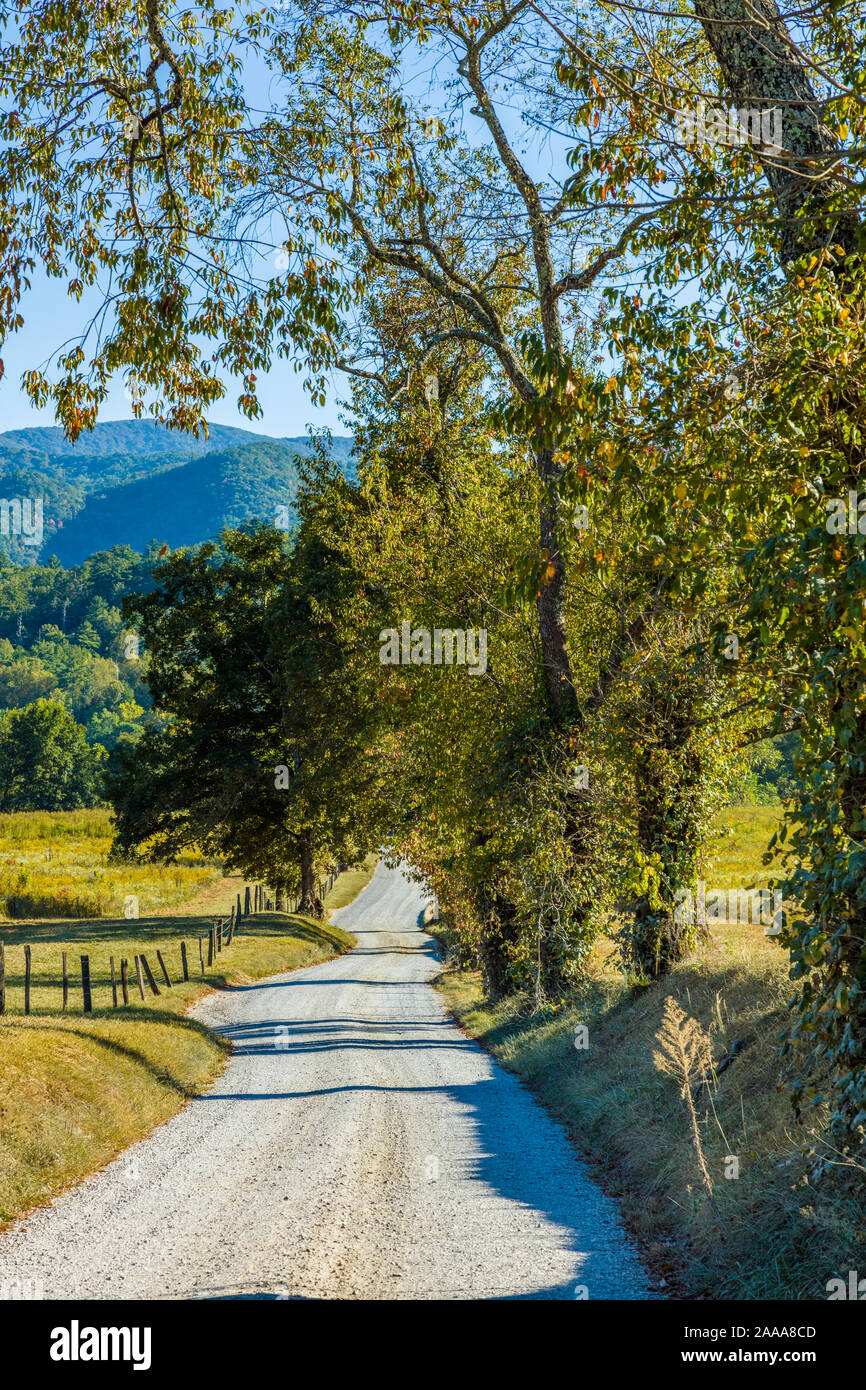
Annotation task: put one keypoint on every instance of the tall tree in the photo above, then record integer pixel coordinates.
(264, 757)
(45, 763)
(132, 165)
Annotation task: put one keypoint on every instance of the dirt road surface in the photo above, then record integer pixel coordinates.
(358, 1145)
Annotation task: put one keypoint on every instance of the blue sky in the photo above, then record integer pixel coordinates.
(50, 317)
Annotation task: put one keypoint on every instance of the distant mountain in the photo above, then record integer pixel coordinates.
(133, 481)
(126, 437)
(183, 505)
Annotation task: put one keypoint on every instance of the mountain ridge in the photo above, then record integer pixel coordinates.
(133, 481)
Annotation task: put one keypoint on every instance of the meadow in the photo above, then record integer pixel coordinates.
(76, 1089)
(738, 838)
(56, 865)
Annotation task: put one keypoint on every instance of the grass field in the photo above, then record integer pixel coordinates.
(350, 884)
(739, 837)
(764, 1234)
(55, 865)
(76, 1089)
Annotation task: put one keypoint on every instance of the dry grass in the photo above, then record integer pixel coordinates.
(739, 836)
(77, 1089)
(764, 1234)
(56, 865)
(349, 885)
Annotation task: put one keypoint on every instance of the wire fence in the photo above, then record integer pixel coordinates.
(125, 977)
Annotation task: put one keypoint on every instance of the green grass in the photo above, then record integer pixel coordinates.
(259, 950)
(56, 865)
(55, 825)
(77, 1089)
(766, 1234)
(739, 836)
(349, 885)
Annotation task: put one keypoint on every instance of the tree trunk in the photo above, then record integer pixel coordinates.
(668, 835)
(494, 958)
(761, 71)
(310, 904)
(551, 600)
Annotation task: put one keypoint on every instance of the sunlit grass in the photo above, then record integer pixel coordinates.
(76, 1088)
(349, 885)
(738, 838)
(765, 1234)
(56, 865)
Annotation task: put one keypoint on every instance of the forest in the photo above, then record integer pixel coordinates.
(132, 482)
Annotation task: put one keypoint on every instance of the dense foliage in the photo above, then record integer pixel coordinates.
(132, 482)
(608, 392)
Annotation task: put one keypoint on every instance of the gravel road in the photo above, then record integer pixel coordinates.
(358, 1145)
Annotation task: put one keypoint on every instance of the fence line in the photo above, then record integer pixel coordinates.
(323, 888)
(220, 936)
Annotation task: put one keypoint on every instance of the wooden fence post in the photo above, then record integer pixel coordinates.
(85, 984)
(219, 935)
(124, 979)
(140, 977)
(247, 901)
(65, 982)
(183, 959)
(210, 945)
(113, 983)
(165, 974)
(2, 978)
(149, 973)
(201, 955)
(27, 979)
(239, 911)
(231, 931)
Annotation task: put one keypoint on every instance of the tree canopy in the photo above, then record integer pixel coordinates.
(595, 279)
